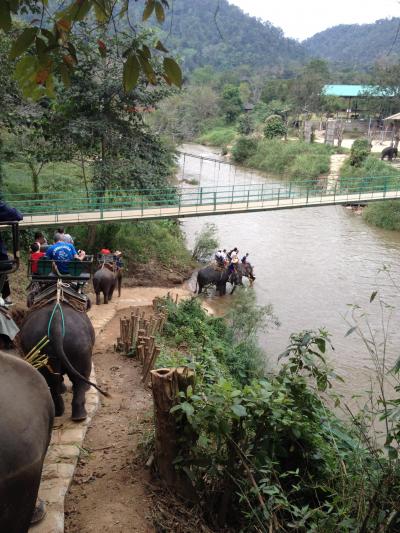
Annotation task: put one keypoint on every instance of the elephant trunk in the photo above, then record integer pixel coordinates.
(56, 340)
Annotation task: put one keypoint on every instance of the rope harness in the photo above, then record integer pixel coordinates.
(57, 306)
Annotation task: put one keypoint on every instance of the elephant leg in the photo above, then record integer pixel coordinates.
(110, 294)
(105, 293)
(54, 381)
(200, 288)
(78, 400)
(97, 298)
(58, 401)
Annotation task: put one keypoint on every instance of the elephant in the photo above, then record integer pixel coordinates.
(247, 270)
(390, 152)
(105, 280)
(70, 348)
(26, 421)
(210, 276)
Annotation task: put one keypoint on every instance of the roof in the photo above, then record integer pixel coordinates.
(348, 90)
(393, 117)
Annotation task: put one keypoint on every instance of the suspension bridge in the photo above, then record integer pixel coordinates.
(79, 207)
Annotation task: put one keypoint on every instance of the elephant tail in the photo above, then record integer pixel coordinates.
(56, 340)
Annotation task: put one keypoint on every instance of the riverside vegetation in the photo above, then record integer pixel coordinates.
(267, 451)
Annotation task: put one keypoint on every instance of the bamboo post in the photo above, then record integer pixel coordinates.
(165, 394)
(150, 364)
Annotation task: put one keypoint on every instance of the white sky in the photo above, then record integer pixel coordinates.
(302, 18)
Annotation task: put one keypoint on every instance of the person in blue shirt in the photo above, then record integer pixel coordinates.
(62, 253)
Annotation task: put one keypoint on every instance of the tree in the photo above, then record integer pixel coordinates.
(274, 127)
(104, 125)
(231, 103)
(245, 124)
(49, 36)
(306, 90)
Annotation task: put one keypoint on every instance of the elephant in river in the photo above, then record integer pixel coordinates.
(26, 420)
(70, 351)
(105, 280)
(390, 152)
(247, 270)
(211, 276)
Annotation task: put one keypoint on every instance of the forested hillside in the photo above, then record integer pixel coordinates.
(227, 38)
(356, 44)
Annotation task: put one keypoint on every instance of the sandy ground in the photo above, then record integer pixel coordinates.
(108, 493)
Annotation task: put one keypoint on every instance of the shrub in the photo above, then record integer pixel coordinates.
(206, 242)
(243, 149)
(360, 150)
(383, 214)
(274, 127)
(245, 124)
(219, 136)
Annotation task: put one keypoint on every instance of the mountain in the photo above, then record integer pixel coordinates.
(216, 33)
(356, 45)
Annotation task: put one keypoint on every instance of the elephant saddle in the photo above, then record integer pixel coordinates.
(68, 295)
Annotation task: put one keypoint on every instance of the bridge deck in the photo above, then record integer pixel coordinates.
(199, 208)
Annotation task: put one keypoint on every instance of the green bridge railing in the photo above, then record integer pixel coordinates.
(52, 203)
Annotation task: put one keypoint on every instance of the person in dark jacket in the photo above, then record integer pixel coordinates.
(7, 214)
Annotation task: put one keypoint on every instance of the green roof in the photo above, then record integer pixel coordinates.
(346, 90)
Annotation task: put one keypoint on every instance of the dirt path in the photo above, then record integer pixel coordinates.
(108, 493)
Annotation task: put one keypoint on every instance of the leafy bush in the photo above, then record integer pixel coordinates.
(296, 159)
(206, 242)
(360, 150)
(274, 127)
(372, 173)
(219, 136)
(245, 124)
(383, 214)
(243, 149)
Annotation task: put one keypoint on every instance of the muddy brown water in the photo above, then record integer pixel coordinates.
(311, 264)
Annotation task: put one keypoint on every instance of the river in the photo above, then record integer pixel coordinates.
(310, 264)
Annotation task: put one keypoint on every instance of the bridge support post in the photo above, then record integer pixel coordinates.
(262, 192)
(290, 190)
(201, 195)
(215, 200)
(279, 194)
(248, 197)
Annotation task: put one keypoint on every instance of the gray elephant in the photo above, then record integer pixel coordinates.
(247, 270)
(105, 280)
(26, 420)
(390, 152)
(70, 351)
(211, 276)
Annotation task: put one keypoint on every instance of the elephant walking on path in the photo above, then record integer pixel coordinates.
(105, 280)
(26, 420)
(72, 338)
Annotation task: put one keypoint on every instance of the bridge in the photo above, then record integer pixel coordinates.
(80, 207)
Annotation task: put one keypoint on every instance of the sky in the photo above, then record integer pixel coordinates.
(303, 18)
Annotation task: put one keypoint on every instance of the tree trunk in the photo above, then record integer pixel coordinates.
(166, 385)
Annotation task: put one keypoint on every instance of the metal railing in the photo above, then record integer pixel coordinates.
(208, 199)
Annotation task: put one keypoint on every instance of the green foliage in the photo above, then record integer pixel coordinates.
(360, 150)
(227, 39)
(384, 215)
(206, 242)
(351, 43)
(297, 160)
(245, 124)
(274, 127)
(231, 103)
(244, 148)
(371, 174)
(50, 40)
(140, 242)
(219, 136)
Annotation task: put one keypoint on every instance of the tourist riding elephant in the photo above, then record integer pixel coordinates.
(390, 152)
(211, 276)
(70, 348)
(26, 420)
(105, 280)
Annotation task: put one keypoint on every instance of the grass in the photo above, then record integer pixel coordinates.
(219, 136)
(297, 160)
(384, 215)
(54, 177)
(372, 172)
